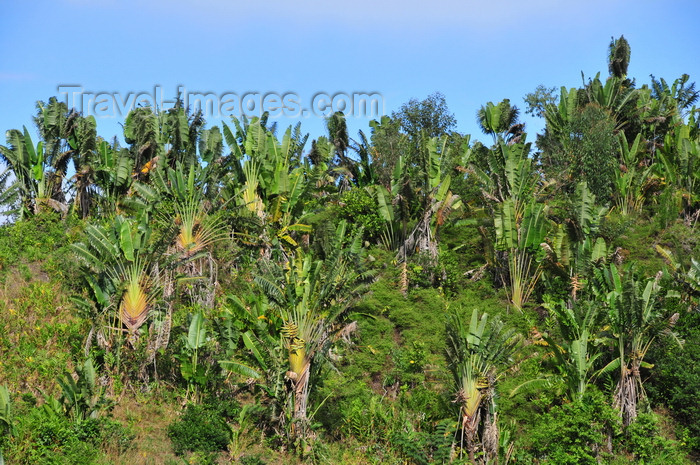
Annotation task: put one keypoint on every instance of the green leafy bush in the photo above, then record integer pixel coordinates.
(361, 210)
(41, 237)
(202, 428)
(644, 440)
(423, 448)
(675, 379)
(251, 460)
(574, 433)
(44, 438)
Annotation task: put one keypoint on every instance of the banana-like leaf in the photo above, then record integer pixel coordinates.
(384, 201)
(534, 226)
(148, 193)
(210, 144)
(599, 251)
(89, 373)
(476, 328)
(248, 340)
(240, 369)
(299, 227)
(232, 142)
(5, 409)
(561, 246)
(196, 336)
(126, 241)
(506, 225)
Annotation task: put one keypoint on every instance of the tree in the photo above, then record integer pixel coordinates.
(632, 176)
(269, 183)
(501, 120)
(477, 356)
(508, 184)
(436, 201)
(618, 57)
(679, 166)
(8, 193)
(338, 135)
(143, 133)
(177, 198)
(54, 121)
(112, 168)
(313, 296)
(685, 96)
(122, 280)
(38, 182)
(580, 144)
(538, 101)
(82, 142)
(637, 319)
(430, 116)
(574, 353)
(180, 132)
(388, 146)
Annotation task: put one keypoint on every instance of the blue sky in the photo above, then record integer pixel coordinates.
(471, 51)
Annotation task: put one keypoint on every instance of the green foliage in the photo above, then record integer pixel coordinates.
(202, 428)
(373, 347)
(538, 100)
(619, 57)
(343, 367)
(423, 448)
(430, 115)
(5, 411)
(44, 437)
(251, 460)
(360, 210)
(580, 144)
(369, 418)
(643, 438)
(409, 363)
(37, 339)
(82, 398)
(500, 120)
(33, 239)
(194, 372)
(594, 150)
(675, 380)
(420, 318)
(574, 433)
(6, 420)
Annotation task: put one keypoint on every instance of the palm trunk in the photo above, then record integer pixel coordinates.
(470, 449)
(469, 428)
(625, 399)
(301, 397)
(490, 438)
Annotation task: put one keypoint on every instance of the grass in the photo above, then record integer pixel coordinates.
(149, 420)
(40, 336)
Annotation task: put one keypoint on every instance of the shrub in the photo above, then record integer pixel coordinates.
(361, 210)
(202, 428)
(45, 438)
(644, 440)
(675, 379)
(251, 460)
(574, 433)
(423, 448)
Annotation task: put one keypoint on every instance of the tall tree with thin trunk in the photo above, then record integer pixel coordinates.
(477, 355)
(313, 296)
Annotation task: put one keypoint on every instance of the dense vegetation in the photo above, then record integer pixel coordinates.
(231, 295)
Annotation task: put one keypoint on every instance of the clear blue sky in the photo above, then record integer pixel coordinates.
(471, 51)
